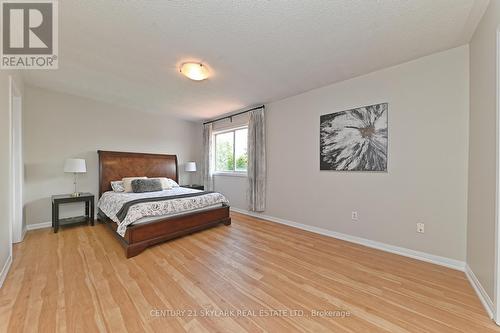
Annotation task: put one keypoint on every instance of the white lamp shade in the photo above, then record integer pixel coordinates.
(75, 165)
(190, 167)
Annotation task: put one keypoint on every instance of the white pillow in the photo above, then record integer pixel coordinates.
(127, 183)
(117, 186)
(172, 183)
(165, 184)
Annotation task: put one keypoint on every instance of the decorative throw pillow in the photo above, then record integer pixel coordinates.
(172, 183)
(117, 186)
(127, 183)
(165, 184)
(146, 185)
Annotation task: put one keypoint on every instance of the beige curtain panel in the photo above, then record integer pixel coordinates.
(257, 161)
(206, 166)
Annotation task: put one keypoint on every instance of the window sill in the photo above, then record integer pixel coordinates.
(231, 174)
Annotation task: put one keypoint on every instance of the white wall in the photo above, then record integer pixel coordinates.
(483, 150)
(427, 166)
(59, 126)
(234, 188)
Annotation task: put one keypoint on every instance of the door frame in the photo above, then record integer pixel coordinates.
(496, 314)
(16, 169)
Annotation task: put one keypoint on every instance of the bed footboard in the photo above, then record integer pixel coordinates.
(141, 236)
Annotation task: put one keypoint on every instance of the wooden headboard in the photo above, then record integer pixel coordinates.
(114, 165)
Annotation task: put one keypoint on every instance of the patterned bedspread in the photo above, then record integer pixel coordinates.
(111, 202)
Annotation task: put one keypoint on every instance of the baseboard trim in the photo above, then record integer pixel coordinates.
(427, 257)
(481, 293)
(5, 270)
(23, 234)
(38, 226)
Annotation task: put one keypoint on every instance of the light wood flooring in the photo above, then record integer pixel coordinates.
(252, 276)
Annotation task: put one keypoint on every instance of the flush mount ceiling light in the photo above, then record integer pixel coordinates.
(194, 71)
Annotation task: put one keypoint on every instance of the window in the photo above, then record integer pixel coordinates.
(231, 151)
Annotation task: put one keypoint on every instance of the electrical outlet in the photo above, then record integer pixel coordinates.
(354, 215)
(420, 227)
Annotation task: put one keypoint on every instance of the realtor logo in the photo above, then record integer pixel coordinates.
(29, 34)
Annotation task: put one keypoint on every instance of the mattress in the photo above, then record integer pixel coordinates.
(159, 218)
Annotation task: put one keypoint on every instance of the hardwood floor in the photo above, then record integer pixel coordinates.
(252, 276)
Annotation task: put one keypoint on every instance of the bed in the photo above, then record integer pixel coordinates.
(151, 230)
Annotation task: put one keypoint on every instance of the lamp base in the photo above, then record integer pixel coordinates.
(75, 194)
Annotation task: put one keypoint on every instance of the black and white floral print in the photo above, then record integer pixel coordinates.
(354, 140)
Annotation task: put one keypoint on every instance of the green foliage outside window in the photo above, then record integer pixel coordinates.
(224, 159)
(242, 162)
(226, 146)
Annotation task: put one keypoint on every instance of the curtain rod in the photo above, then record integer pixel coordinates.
(234, 115)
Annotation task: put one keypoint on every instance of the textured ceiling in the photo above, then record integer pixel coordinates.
(128, 52)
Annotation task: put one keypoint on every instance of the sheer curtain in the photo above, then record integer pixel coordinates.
(257, 161)
(207, 167)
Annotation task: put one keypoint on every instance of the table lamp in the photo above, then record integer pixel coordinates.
(75, 166)
(190, 167)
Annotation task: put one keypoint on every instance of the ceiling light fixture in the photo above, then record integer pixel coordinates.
(194, 71)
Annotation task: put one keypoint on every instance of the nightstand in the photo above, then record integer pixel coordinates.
(194, 187)
(58, 200)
